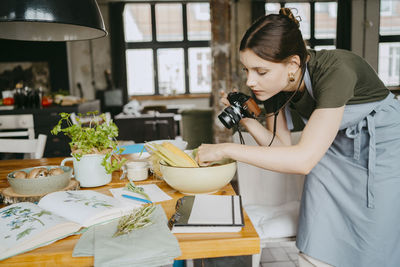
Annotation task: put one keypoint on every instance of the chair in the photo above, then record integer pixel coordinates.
(20, 125)
(35, 147)
(271, 199)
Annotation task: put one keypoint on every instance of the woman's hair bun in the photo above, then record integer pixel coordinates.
(288, 13)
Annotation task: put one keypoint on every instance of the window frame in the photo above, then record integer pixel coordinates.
(312, 41)
(154, 45)
(388, 39)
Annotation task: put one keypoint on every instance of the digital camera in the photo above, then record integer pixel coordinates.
(241, 106)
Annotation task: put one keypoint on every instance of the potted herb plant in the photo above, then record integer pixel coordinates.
(94, 147)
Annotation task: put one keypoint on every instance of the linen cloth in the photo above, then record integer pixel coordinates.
(153, 245)
(274, 221)
(349, 213)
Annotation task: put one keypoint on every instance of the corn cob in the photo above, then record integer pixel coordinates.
(172, 155)
(156, 152)
(178, 160)
(171, 147)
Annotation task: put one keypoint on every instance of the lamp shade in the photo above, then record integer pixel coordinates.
(50, 20)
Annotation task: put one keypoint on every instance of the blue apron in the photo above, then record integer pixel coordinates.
(350, 207)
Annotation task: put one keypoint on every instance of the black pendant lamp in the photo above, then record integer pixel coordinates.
(50, 20)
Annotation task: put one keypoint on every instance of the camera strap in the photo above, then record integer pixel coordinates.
(241, 139)
(287, 102)
(274, 130)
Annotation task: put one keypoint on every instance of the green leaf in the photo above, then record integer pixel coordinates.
(90, 137)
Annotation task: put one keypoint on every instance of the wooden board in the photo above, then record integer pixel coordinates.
(10, 197)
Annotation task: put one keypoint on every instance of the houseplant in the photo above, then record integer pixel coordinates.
(96, 138)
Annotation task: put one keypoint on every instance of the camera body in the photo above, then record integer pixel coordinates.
(241, 106)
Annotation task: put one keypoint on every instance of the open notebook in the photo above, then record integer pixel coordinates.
(207, 213)
(25, 226)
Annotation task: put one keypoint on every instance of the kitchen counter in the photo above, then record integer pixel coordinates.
(80, 108)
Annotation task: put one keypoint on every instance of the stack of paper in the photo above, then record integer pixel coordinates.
(152, 190)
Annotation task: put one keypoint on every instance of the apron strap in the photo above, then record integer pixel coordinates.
(288, 115)
(371, 160)
(354, 132)
(307, 81)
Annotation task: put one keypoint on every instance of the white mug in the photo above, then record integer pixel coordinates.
(89, 171)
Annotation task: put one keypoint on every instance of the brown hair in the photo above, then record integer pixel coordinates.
(276, 37)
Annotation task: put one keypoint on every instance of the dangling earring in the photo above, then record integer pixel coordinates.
(291, 77)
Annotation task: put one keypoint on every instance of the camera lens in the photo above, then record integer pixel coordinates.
(226, 119)
(230, 116)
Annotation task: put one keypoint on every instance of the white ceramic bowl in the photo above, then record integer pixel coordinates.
(202, 180)
(178, 143)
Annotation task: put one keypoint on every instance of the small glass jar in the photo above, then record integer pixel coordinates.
(137, 170)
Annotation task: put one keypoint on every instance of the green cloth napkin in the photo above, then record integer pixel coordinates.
(153, 245)
(85, 245)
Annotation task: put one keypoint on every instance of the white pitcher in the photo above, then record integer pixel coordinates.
(89, 171)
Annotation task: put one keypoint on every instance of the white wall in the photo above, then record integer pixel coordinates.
(88, 60)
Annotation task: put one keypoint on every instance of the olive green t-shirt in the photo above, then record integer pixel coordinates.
(339, 77)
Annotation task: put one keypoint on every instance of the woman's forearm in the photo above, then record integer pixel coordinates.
(287, 159)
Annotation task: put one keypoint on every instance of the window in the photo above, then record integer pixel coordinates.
(389, 42)
(167, 48)
(318, 21)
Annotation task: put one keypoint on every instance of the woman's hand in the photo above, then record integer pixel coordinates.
(224, 98)
(224, 101)
(207, 153)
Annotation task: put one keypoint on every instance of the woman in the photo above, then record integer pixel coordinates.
(349, 147)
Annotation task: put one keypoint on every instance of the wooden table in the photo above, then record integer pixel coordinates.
(193, 246)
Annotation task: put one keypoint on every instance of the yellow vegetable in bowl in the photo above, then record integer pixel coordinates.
(171, 154)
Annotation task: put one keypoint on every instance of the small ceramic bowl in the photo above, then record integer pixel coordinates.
(40, 185)
(201, 180)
